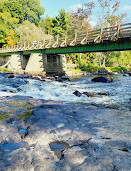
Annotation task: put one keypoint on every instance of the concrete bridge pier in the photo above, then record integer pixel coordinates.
(55, 63)
(35, 64)
(15, 62)
(43, 63)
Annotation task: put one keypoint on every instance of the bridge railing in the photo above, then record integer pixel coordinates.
(79, 38)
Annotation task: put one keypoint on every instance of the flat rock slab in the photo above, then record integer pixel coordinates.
(98, 139)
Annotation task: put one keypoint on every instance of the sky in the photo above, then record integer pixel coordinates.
(52, 7)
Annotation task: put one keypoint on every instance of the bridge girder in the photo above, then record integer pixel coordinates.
(119, 45)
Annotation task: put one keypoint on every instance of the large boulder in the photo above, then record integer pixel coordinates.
(102, 79)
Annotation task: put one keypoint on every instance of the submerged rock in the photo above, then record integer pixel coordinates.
(88, 94)
(24, 76)
(65, 78)
(102, 79)
(10, 76)
(77, 93)
(124, 149)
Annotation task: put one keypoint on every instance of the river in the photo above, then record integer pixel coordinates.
(119, 91)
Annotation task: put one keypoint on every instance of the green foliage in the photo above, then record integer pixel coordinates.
(90, 68)
(5, 70)
(118, 69)
(60, 23)
(74, 70)
(45, 25)
(3, 116)
(29, 32)
(26, 114)
(7, 24)
(30, 10)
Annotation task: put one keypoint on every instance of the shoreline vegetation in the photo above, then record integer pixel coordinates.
(73, 70)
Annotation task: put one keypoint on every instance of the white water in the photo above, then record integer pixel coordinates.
(119, 91)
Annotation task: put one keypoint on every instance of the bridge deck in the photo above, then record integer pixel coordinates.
(106, 39)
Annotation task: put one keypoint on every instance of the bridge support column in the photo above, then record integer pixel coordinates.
(55, 64)
(15, 62)
(35, 64)
(63, 67)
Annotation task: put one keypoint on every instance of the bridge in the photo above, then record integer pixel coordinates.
(48, 55)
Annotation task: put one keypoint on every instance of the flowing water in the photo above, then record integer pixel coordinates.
(119, 91)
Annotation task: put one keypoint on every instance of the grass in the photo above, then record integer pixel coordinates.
(16, 108)
(26, 114)
(3, 116)
(5, 70)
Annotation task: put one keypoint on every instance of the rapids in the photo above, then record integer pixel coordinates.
(119, 90)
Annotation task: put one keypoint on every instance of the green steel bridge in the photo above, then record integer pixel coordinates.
(117, 38)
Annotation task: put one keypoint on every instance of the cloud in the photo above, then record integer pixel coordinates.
(127, 7)
(74, 7)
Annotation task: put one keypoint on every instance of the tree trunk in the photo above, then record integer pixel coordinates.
(80, 59)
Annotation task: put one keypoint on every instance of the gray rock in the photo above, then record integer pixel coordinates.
(77, 93)
(102, 79)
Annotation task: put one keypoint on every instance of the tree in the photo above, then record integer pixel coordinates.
(82, 15)
(46, 25)
(107, 14)
(60, 23)
(7, 26)
(28, 32)
(30, 10)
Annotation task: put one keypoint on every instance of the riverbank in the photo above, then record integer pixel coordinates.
(85, 137)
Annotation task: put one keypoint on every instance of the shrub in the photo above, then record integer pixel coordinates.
(90, 68)
(118, 69)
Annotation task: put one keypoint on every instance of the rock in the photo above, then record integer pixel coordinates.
(88, 94)
(59, 79)
(12, 91)
(24, 76)
(77, 93)
(13, 118)
(10, 76)
(103, 71)
(126, 75)
(124, 149)
(36, 78)
(26, 81)
(35, 102)
(103, 94)
(4, 74)
(129, 73)
(65, 78)
(102, 79)
(58, 147)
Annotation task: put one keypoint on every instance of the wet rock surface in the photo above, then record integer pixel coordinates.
(102, 79)
(67, 137)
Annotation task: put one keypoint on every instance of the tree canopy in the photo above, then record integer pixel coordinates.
(30, 10)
